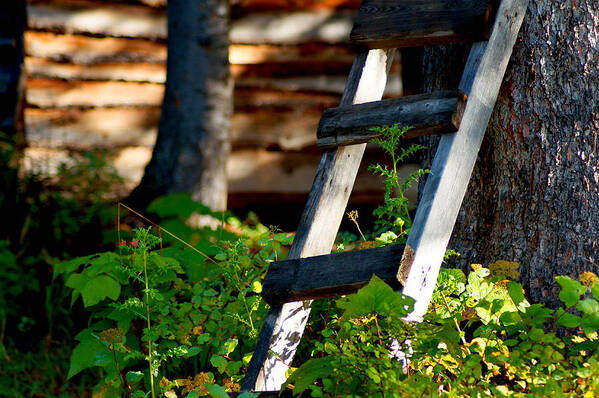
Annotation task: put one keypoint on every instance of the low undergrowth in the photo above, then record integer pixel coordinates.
(175, 311)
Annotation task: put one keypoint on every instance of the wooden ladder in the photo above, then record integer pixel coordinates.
(380, 27)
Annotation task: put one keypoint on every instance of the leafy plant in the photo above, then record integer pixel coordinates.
(481, 337)
(394, 214)
(194, 326)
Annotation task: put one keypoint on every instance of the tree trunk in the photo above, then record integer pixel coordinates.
(12, 25)
(192, 146)
(534, 194)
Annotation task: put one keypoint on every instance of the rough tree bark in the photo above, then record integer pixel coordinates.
(534, 194)
(12, 25)
(192, 145)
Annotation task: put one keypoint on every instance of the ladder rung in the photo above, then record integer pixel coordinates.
(409, 23)
(330, 275)
(428, 113)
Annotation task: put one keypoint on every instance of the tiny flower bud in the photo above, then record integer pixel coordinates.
(123, 243)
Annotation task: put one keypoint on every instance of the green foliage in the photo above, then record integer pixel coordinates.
(481, 337)
(394, 214)
(193, 326)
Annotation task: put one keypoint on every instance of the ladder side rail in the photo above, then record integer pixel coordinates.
(284, 325)
(453, 164)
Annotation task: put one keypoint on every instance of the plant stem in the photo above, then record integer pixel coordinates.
(149, 324)
(455, 321)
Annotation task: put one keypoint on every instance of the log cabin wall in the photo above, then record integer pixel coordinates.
(96, 71)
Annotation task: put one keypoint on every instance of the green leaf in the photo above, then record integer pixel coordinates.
(99, 288)
(132, 377)
(247, 394)
(588, 306)
(571, 290)
(516, 292)
(308, 373)
(219, 363)
(590, 323)
(595, 290)
(569, 320)
(228, 347)
(177, 205)
(85, 353)
(377, 297)
(217, 391)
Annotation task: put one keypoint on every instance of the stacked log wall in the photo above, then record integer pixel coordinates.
(96, 72)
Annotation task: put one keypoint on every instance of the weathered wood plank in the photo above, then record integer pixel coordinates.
(427, 113)
(103, 128)
(284, 325)
(90, 50)
(46, 93)
(450, 173)
(61, 94)
(409, 23)
(329, 275)
(142, 22)
(129, 72)
(139, 72)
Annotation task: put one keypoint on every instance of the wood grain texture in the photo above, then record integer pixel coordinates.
(450, 173)
(329, 275)
(427, 113)
(284, 325)
(133, 21)
(408, 23)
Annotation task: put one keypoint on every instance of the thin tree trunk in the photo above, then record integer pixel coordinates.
(193, 139)
(534, 194)
(12, 25)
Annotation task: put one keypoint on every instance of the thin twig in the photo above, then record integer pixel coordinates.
(169, 233)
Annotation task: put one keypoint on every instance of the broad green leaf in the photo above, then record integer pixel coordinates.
(590, 323)
(595, 290)
(247, 394)
(217, 391)
(588, 306)
(177, 205)
(132, 377)
(219, 363)
(228, 347)
(376, 297)
(102, 263)
(85, 353)
(571, 290)
(99, 288)
(76, 282)
(516, 292)
(569, 320)
(308, 373)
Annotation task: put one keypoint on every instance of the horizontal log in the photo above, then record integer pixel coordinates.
(106, 128)
(250, 171)
(329, 275)
(139, 72)
(89, 50)
(293, 28)
(61, 94)
(409, 23)
(120, 20)
(427, 113)
(116, 20)
(118, 71)
(45, 93)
